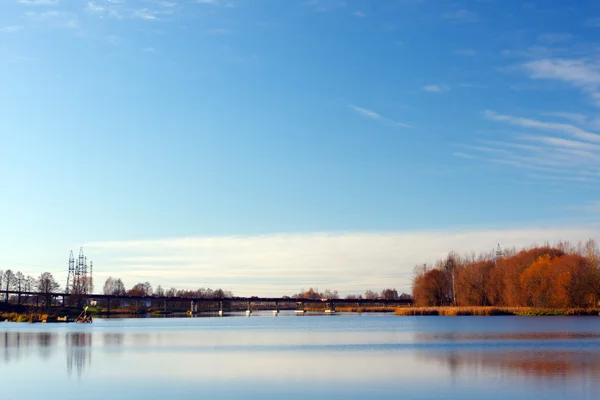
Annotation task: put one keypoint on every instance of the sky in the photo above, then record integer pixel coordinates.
(265, 146)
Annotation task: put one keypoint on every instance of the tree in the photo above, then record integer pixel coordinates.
(109, 285)
(371, 295)
(432, 289)
(389, 294)
(159, 291)
(141, 289)
(472, 284)
(354, 297)
(114, 287)
(536, 282)
(9, 282)
(47, 285)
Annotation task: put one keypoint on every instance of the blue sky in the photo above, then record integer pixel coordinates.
(157, 120)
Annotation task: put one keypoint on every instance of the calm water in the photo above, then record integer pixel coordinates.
(300, 357)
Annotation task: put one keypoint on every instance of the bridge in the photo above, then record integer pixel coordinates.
(223, 303)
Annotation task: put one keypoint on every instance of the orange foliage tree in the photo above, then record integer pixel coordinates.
(560, 276)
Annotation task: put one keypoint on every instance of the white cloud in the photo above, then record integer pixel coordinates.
(576, 118)
(555, 37)
(325, 5)
(373, 115)
(146, 14)
(39, 2)
(544, 126)
(282, 264)
(11, 29)
(579, 73)
(435, 88)
(593, 22)
(359, 14)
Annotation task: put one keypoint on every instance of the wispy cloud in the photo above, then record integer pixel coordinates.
(146, 14)
(576, 118)
(461, 16)
(39, 2)
(567, 129)
(11, 29)
(551, 38)
(373, 115)
(436, 88)
(54, 18)
(359, 14)
(282, 264)
(593, 22)
(590, 207)
(326, 5)
(579, 73)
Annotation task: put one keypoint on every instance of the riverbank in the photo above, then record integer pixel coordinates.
(31, 317)
(493, 311)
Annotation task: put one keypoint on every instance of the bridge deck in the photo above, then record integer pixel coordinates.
(208, 300)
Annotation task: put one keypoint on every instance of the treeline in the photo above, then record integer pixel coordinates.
(558, 276)
(115, 287)
(44, 284)
(386, 294)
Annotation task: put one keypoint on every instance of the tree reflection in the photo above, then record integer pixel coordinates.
(79, 352)
(540, 364)
(12, 344)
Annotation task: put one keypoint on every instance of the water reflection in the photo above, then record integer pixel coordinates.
(15, 345)
(502, 336)
(79, 352)
(541, 364)
(246, 355)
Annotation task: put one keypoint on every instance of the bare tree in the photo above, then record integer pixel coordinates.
(371, 295)
(114, 287)
(9, 282)
(46, 286)
(389, 294)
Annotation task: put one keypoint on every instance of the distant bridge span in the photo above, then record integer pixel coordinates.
(195, 301)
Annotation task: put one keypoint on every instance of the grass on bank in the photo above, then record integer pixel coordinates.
(491, 311)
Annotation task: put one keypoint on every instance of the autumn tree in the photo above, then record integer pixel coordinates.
(432, 289)
(141, 289)
(472, 284)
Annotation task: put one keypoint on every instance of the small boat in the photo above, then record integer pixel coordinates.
(83, 317)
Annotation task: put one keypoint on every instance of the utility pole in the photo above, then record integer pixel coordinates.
(19, 295)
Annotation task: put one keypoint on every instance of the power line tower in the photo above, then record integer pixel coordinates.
(91, 282)
(499, 253)
(71, 274)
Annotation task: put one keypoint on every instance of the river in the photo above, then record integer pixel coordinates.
(304, 357)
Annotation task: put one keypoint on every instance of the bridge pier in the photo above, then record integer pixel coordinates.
(300, 307)
(330, 308)
(220, 308)
(249, 310)
(276, 310)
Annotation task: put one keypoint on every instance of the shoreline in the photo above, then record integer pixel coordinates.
(450, 311)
